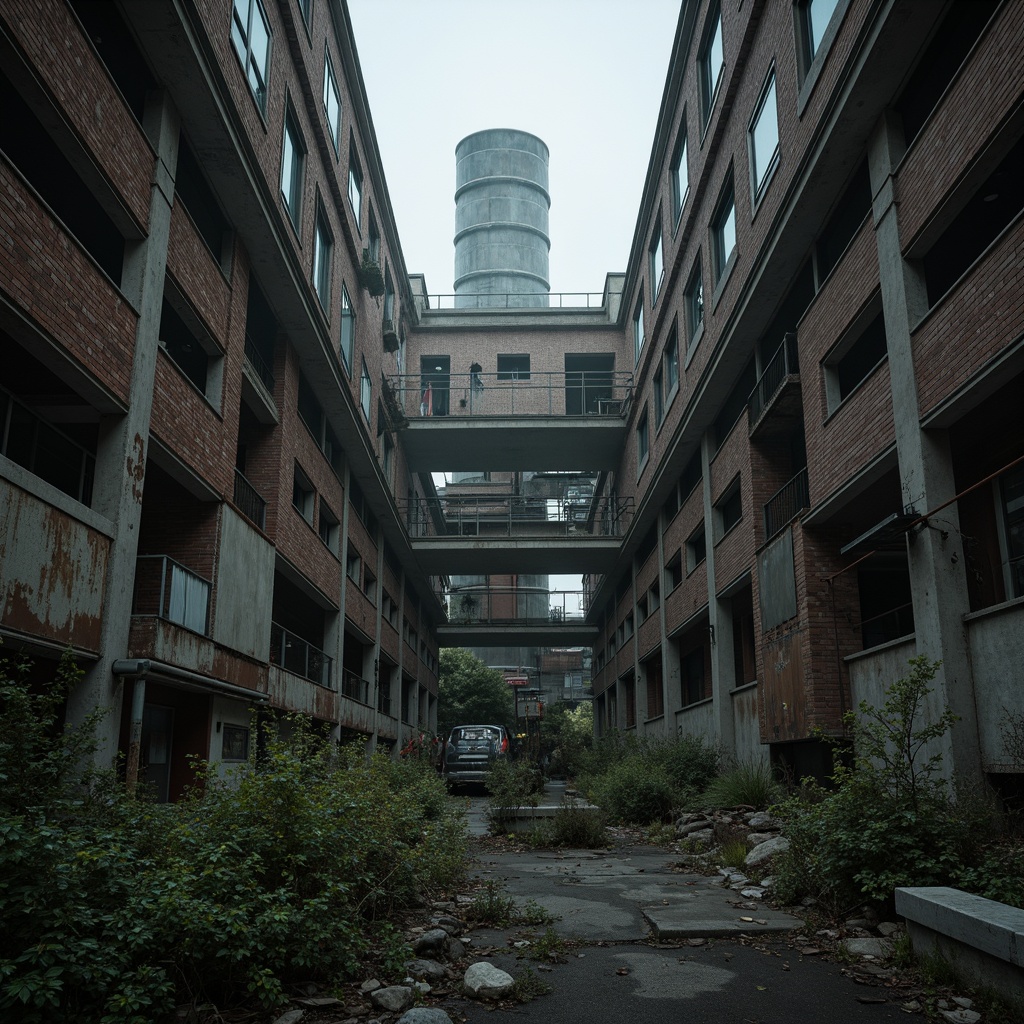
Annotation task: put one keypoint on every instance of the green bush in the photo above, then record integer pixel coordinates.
(890, 819)
(116, 910)
(747, 783)
(635, 791)
(511, 784)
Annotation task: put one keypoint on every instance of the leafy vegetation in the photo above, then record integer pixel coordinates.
(891, 818)
(747, 783)
(470, 693)
(512, 785)
(568, 732)
(117, 910)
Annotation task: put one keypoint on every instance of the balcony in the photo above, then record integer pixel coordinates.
(775, 405)
(45, 451)
(258, 384)
(786, 504)
(355, 687)
(299, 657)
(167, 590)
(249, 501)
(891, 625)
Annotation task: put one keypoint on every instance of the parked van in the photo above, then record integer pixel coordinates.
(470, 750)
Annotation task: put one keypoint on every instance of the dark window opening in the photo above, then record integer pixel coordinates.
(28, 145)
(674, 571)
(197, 197)
(736, 404)
(990, 210)
(310, 411)
(260, 333)
(116, 47)
(691, 676)
(730, 508)
(691, 476)
(886, 609)
(794, 305)
(696, 549)
(181, 344)
(862, 357)
(943, 58)
(647, 545)
(514, 367)
(845, 221)
(655, 693)
(589, 383)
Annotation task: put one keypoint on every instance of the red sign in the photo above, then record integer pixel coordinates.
(517, 680)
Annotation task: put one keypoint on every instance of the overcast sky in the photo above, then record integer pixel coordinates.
(586, 76)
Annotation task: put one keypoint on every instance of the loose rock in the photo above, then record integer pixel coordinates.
(425, 970)
(485, 981)
(765, 851)
(424, 1015)
(435, 942)
(394, 998)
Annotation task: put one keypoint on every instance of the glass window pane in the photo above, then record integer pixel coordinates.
(765, 135)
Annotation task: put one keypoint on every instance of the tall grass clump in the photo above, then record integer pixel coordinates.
(117, 910)
(748, 783)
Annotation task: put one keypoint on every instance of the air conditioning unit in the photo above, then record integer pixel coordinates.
(390, 334)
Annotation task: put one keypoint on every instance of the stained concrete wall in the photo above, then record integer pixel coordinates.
(245, 597)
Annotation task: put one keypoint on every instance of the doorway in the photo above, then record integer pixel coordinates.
(588, 381)
(435, 385)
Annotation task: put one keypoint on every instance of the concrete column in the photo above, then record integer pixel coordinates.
(669, 724)
(123, 440)
(338, 646)
(719, 619)
(935, 552)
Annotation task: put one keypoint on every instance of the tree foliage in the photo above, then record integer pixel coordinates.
(471, 693)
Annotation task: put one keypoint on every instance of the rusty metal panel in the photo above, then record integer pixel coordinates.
(777, 581)
(782, 691)
(52, 571)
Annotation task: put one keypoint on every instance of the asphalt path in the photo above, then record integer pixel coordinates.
(729, 960)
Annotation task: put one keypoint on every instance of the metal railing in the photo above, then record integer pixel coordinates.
(299, 656)
(512, 393)
(253, 357)
(502, 515)
(355, 687)
(786, 503)
(891, 625)
(384, 700)
(783, 364)
(517, 300)
(45, 451)
(250, 502)
(469, 604)
(166, 589)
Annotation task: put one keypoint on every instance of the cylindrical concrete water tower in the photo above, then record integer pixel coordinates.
(501, 219)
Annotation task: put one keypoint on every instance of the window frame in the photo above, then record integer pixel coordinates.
(643, 440)
(656, 260)
(759, 180)
(709, 89)
(295, 164)
(724, 215)
(347, 330)
(302, 485)
(365, 391)
(323, 259)
(331, 86)
(639, 336)
(695, 305)
(680, 181)
(243, 40)
(355, 185)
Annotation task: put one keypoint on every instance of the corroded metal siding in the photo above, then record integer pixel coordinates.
(52, 571)
(782, 694)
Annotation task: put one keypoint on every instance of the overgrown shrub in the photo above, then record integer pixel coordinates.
(747, 783)
(891, 819)
(635, 791)
(116, 910)
(512, 785)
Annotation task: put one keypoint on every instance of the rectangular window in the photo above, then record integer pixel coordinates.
(327, 527)
(712, 62)
(723, 231)
(355, 186)
(680, 174)
(332, 102)
(310, 411)
(365, 392)
(638, 327)
(696, 548)
(353, 566)
(815, 16)
(656, 258)
(691, 676)
(293, 158)
(730, 510)
(655, 694)
(694, 297)
(191, 187)
(234, 744)
(658, 388)
(302, 495)
(514, 367)
(691, 475)
(854, 360)
(763, 138)
(250, 34)
(674, 571)
(643, 438)
(348, 329)
(323, 249)
(670, 361)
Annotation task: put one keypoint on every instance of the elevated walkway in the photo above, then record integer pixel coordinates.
(469, 556)
(517, 634)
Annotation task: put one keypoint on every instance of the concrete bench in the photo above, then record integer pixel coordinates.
(983, 940)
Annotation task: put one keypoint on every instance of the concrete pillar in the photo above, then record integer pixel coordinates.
(123, 440)
(723, 670)
(935, 552)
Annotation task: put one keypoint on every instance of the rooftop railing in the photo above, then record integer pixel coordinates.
(519, 392)
(497, 515)
(518, 300)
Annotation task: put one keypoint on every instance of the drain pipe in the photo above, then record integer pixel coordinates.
(135, 669)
